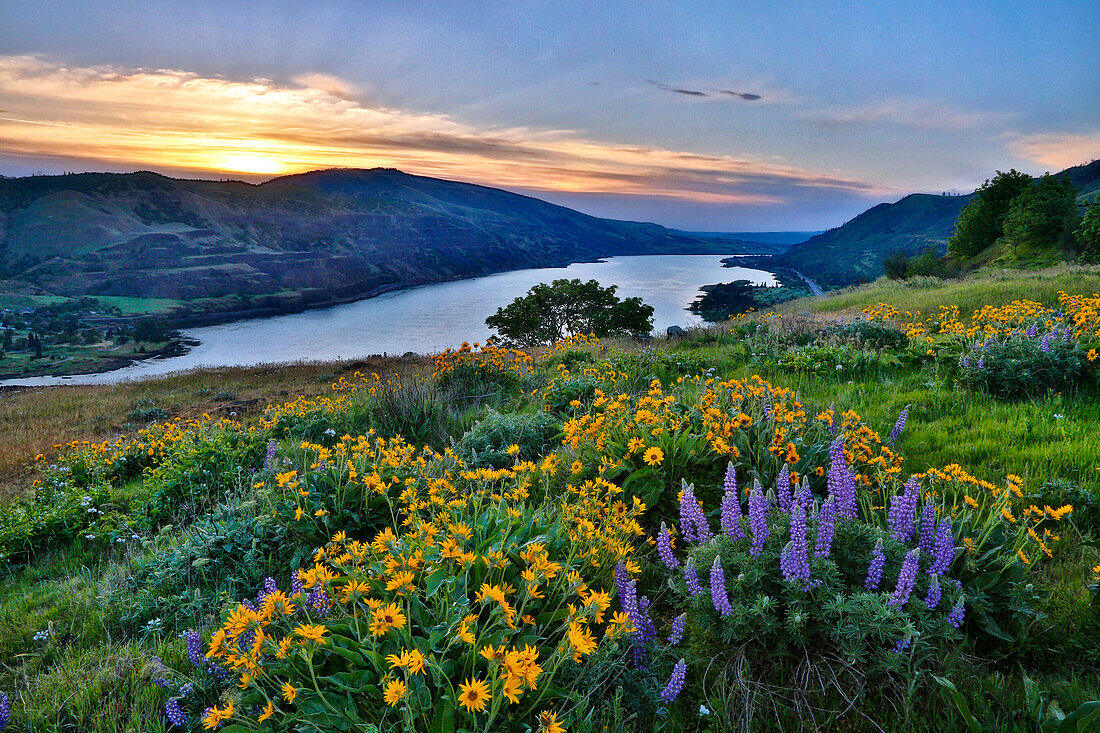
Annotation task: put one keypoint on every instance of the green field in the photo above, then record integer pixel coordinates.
(193, 520)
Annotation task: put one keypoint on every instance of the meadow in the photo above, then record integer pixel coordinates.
(877, 510)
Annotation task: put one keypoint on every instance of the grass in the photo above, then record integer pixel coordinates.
(986, 287)
(35, 420)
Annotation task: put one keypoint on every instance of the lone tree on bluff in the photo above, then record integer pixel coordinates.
(568, 307)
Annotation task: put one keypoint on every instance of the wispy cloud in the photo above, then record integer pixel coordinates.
(906, 112)
(181, 120)
(711, 93)
(1057, 150)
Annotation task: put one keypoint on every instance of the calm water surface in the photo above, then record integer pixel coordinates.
(429, 318)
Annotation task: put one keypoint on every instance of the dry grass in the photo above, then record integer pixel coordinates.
(33, 420)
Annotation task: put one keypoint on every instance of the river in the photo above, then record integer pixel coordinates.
(426, 319)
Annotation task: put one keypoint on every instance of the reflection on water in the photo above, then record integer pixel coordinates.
(430, 318)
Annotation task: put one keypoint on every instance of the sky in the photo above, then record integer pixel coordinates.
(711, 115)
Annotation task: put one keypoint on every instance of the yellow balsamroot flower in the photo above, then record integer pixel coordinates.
(464, 631)
(215, 715)
(512, 449)
(385, 618)
(473, 694)
(289, 692)
(548, 723)
(395, 690)
(401, 582)
(653, 456)
(1092, 355)
(312, 632)
(1096, 570)
(635, 444)
(269, 710)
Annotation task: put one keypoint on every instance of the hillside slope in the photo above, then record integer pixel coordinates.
(293, 241)
(853, 252)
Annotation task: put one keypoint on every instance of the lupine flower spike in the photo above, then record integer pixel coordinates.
(675, 683)
(3, 710)
(874, 572)
(793, 561)
(907, 578)
(718, 593)
(676, 633)
(692, 578)
(664, 549)
(899, 425)
(927, 539)
(935, 593)
(783, 487)
(943, 552)
(758, 519)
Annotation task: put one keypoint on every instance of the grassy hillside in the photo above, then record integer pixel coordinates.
(550, 469)
(854, 252)
(231, 248)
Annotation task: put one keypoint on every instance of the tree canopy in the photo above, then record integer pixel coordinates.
(566, 308)
(981, 223)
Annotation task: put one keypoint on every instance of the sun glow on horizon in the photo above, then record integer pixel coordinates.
(249, 163)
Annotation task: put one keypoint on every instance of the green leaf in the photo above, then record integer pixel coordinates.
(1086, 713)
(960, 704)
(444, 720)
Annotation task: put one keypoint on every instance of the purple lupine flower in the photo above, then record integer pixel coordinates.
(1044, 345)
(943, 552)
(907, 578)
(692, 578)
(664, 548)
(194, 650)
(927, 537)
(958, 612)
(161, 683)
(981, 362)
(3, 710)
(718, 593)
(966, 361)
(901, 645)
(731, 515)
(767, 410)
(935, 593)
(677, 631)
(899, 425)
(729, 481)
(793, 560)
(874, 572)
(1032, 331)
(269, 459)
(783, 487)
(297, 586)
(635, 609)
(172, 711)
(1067, 333)
(693, 524)
(903, 506)
(841, 480)
(802, 496)
(675, 683)
(826, 527)
(758, 519)
(187, 689)
(318, 601)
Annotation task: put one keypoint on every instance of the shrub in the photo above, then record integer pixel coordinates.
(875, 334)
(1021, 365)
(476, 611)
(500, 439)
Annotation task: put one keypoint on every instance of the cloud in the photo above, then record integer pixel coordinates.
(677, 90)
(334, 85)
(743, 95)
(906, 112)
(180, 120)
(1057, 150)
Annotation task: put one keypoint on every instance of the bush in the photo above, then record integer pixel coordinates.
(1021, 365)
(875, 334)
(486, 444)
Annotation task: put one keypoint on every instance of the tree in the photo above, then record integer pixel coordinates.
(1088, 233)
(569, 307)
(895, 264)
(1043, 216)
(981, 222)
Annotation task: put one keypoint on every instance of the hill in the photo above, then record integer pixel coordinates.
(228, 248)
(853, 252)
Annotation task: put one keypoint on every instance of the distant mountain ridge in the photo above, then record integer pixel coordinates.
(853, 252)
(291, 242)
